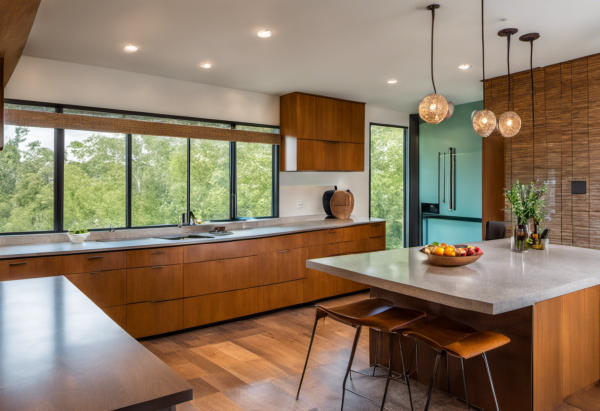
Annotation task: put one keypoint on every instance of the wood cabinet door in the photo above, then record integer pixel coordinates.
(328, 119)
(319, 285)
(159, 283)
(332, 154)
(211, 308)
(272, 297)
(104, 288)
(352, 157)
(219, 251)
(305, 116)
(85, 263)
(154, 257)
(154, 318)
(357, 134)
(219, 276)
(282, 265)
(282, 242)
(24, 268)
(310, 155)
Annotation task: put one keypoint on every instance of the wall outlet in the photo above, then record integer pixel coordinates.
(300, 204)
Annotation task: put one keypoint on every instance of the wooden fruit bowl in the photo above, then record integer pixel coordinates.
(444, 261)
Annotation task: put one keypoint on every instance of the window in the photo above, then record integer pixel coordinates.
(158, 180)
(255, 180)
(387, 180)
(209, 180)
(27, 180)
(95, 180)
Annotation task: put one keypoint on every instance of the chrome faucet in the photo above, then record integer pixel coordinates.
(111, 228)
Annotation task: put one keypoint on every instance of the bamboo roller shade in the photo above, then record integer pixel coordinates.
(26, 118)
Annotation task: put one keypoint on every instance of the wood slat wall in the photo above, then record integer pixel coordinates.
(564, 147)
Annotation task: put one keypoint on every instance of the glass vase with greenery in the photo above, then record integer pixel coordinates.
(526, 203)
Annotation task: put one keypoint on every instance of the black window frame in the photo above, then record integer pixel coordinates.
(59, 157)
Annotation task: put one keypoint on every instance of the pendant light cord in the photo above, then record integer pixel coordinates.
(508, 64)
(532, 96)
(483, 53)
(432, 24)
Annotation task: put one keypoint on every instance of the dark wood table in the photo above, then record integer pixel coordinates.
(60, 352)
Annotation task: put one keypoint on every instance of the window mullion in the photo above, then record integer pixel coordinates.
(189, 180)
(59, 177)
(128, 178)
(232, 181)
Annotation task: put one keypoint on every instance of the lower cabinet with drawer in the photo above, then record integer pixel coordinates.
(219, 276)
(104, 288)
(159, 283)
(272, 297)
(211, 308)
(153, 318)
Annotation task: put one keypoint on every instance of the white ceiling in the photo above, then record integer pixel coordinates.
(342, 48)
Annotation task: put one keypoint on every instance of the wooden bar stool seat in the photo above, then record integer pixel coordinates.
(374, 313)
(449, 337)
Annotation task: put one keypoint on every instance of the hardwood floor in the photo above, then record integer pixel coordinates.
(255, 365)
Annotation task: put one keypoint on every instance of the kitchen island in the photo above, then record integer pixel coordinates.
(546, 302)
(60, 352)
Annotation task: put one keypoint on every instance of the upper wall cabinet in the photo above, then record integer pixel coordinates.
(321, 133)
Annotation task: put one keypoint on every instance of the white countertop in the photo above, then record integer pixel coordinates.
(500, 281)
(35, 250)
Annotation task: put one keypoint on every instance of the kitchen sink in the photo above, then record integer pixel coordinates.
(185, 237)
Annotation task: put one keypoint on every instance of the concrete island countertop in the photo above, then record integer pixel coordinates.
(59, 248)
(500, 281)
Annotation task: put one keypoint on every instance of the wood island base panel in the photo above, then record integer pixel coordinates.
(160, 290)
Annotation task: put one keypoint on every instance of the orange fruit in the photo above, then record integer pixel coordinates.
(439, 251)
(449, 251)
(443, 245)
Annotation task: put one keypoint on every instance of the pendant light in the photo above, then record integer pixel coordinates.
(450, 110)
(483, 121)
(531, 37)
(434, 107)
(509, 123)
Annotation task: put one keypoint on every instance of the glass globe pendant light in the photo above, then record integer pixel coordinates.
(509, 123)
(483, 121)
(434, 107)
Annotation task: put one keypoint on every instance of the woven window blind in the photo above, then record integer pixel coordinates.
(26, 118)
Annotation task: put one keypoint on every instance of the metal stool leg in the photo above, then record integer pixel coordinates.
(432, 383)
(312, 338)
(405, 372)
(389, 376)
(376, 352)
(354, 345)
(487, 366)
(462, 364)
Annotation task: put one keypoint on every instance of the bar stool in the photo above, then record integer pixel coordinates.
(449, 337)
(377, 314)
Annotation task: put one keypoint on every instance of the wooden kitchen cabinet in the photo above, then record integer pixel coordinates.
(104, 288)
(282, 265)
(158, 283)
(118, 314)
(328, 133)
(154, 257)
(153, 318)
(85, 263)
(24, 268)
(211, 308)
(272, 297)
(219, 251)
(221, 275)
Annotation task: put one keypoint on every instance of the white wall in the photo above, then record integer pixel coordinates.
(68, 83)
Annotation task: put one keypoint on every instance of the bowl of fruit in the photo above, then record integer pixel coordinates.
(445, 255)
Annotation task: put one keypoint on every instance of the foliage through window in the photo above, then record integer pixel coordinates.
(27, 180)
(97, 168)
(387, 181)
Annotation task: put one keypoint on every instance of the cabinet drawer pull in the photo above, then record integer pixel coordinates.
(284, 251)
(95, 257)
(158, 266)
(158, 252)
(16, 264)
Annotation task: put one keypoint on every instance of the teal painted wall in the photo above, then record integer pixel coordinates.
(458, 133)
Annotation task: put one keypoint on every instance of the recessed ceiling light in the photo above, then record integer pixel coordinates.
(464, 66)
(265, 33)
(130, 48)
(206, 65)
(392, 81)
